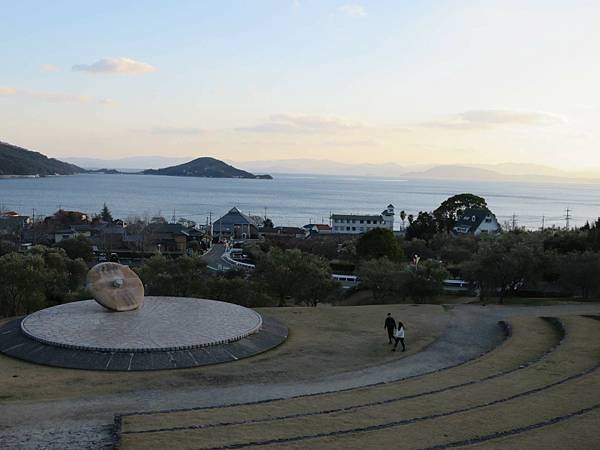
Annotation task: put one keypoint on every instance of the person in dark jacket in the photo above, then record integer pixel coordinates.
(390, 326)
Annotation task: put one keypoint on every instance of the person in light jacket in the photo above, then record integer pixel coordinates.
(390, 326)
(399, 337)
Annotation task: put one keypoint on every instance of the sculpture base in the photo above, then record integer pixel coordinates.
(168, 332)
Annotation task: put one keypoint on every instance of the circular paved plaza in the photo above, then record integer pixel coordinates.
(166, 333)
(163, 323)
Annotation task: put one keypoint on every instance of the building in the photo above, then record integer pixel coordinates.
(236, 225)
(318, 228)
(477, 221)
(286, 232)
(13, 223)
(359, 223)
(74, 231)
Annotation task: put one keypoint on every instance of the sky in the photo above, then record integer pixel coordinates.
(427, 82)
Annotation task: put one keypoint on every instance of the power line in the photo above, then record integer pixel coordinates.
(567, 218)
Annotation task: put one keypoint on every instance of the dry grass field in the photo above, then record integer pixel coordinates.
(533, 380)
(322, 341)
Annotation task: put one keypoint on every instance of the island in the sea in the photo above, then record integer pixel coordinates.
(19, 162)
(205, 167)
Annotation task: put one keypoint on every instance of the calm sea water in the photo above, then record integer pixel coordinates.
(292, 199)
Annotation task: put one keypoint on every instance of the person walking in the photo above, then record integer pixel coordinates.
(399, 337)
(390, 326)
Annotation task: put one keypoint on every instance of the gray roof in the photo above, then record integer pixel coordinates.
(357, 216)
(235, 217)
(472, 218)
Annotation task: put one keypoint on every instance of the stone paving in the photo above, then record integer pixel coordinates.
(163, 323)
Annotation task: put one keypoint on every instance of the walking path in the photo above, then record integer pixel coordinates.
(86, 423)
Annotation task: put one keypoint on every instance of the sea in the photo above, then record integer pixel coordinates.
(294, 200)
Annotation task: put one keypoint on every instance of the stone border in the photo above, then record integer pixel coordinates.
(14, 343)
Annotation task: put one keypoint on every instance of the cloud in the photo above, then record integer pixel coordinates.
(288, 123)
(490, 118)
(180, 131)
(6, 91)
(49, 68)
(352, 10)
(53, 97)
(116, 66)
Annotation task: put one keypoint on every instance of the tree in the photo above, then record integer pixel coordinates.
(77, 247)
(386, 279)
(181, 277)
(7, 247)
(503, 264)
(423, 227)
(425, 280)
(105, 214)
(454, 249)
(402, 217)
(580, 272)
(268, 223)
(379, 243)
(21, 281)
(417, 247)
(292, 274)
(61, 274)
(454, 207)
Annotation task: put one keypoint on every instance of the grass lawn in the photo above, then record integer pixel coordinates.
(322, 341)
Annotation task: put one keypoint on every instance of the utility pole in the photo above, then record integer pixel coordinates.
(173, 218)
(514, 222)
(33, 224)
(543, 222)
(265, 213)
(568, 218)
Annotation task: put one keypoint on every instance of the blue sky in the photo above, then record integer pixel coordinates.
(408, 82)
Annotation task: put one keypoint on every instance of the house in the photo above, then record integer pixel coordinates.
(168, 237)
(361, 223)
(11, 222)
(236, 225)
(288, 232)
(477, 221)
(318, 228)
(71, 232)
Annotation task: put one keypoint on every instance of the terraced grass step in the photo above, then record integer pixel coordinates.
(531, 339)
(471, 426)
(347, 418)
(577, 431)
(577, 354)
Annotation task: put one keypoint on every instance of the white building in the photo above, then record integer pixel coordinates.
(477, 221)
(361, 223)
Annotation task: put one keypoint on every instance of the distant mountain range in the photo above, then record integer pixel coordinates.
(131, 163)
(497, 172)
(20, 162)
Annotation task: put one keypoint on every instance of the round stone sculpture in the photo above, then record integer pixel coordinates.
(115, 286)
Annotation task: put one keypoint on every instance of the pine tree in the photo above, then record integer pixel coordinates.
(105, 214)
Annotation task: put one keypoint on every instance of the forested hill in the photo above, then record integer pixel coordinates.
(205, 167)
(18, 161)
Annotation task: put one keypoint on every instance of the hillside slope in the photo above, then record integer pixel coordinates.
(19, 161)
